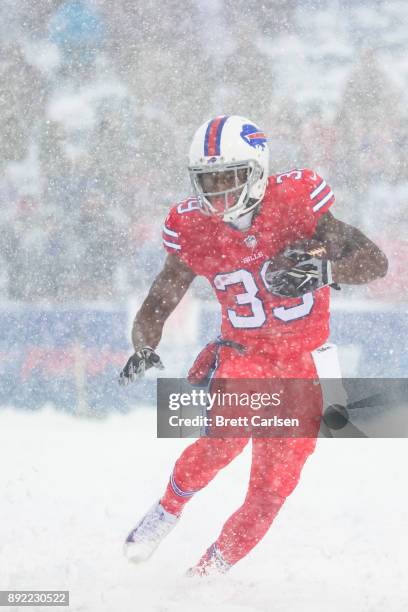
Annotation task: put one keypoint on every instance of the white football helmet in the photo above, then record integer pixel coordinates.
(229, 166)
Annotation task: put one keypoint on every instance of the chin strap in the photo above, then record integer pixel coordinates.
(243, 222)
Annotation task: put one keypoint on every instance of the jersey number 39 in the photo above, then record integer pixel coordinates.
(249, 298)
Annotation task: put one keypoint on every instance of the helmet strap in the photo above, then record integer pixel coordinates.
(243, 222)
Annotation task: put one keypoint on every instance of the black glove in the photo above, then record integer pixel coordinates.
(138, 363)
(311, 271)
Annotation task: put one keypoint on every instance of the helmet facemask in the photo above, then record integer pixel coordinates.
(236, 180)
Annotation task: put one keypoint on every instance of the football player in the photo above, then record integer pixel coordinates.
(271, 249)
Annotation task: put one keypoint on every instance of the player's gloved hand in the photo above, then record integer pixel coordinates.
(138, 363)
(310, 270)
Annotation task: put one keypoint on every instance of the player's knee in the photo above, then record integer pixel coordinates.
(285, 484)
(266, 502)
(285, 481)
(271, 492)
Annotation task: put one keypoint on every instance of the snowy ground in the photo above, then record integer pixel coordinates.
(72, 489)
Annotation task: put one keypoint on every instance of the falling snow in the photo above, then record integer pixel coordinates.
(99, 101)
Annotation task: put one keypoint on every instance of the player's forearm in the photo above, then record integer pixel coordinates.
(149, 321)
(143, 335)
(167, 290)
(364, 264)
(148, 324)
(355, 258)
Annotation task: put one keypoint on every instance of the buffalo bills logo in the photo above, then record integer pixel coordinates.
(253, 136)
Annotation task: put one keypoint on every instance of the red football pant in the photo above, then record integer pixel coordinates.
(276, 463)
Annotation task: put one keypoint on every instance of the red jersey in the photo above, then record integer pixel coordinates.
(232, 260)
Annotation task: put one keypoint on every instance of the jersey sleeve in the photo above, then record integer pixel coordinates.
(181, 234)
(318, 194)
(171, 233)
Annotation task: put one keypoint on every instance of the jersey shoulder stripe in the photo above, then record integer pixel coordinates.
(327, 198)
(172, 245)
(179, 224)
(318, 189)
(167, 234)
(321, 194)
(170, 232)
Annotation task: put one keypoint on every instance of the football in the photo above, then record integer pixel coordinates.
(298, 251)
(319, 249)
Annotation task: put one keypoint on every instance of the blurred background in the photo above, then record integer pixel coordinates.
(99, 101)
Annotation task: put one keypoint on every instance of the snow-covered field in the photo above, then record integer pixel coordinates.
(72, 489)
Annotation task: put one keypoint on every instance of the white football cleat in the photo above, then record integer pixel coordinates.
(143, 540)
(212, 563)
